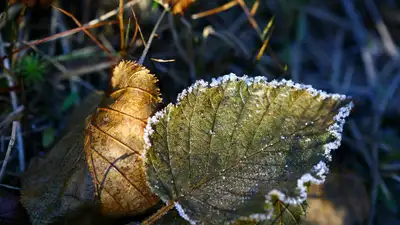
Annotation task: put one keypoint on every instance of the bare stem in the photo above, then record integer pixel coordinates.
(14, 102)
(121, 24)
(101, 46)
(153, 33)
(10, 146)
(153, 218)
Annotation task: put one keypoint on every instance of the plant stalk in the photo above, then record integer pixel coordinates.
(153, 218)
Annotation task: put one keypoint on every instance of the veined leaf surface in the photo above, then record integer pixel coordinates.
(228, 146)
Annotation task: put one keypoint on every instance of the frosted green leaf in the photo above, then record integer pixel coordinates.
(227, 146)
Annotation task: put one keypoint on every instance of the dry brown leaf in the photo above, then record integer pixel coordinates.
(114, 141)
(178, 6)
(60, 184)
(341, 200)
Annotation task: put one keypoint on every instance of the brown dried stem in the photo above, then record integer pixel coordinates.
(222, 8)
(57, 36)
(121, 24)
(153, 218)
(153, 33)
(10, 146)
(84, 30)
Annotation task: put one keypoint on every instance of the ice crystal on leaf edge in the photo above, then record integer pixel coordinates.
(320, 170)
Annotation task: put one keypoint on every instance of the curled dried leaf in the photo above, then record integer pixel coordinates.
(178, 6)
(114, 141)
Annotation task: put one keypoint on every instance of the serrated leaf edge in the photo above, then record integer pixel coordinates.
(320, 169)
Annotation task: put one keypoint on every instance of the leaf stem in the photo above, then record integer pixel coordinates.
(10, 146)
(121, 24)
(153, 218)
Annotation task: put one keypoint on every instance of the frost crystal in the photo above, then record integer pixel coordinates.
(258, 80)
(148, 131)
(336, 129)
(182, 213)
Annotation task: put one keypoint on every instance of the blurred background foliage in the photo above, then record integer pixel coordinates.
(344, 46)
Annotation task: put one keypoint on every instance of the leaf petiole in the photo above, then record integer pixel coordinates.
(153, 218)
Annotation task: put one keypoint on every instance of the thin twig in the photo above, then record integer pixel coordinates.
(389, 94)
(121, 24)
(10, 12)
(374, 170)
(358, 30)
(50, 59)
(66, 46)
(127, 33)
(84, 30)
(53, 29)
(250, 17)
(112, 13)
(369, 66)
(11, 117)
(86, 69)
(56, 36)
(14, 102)
(337, 60)
(268, 30)
(106, 43)
(254, 8)
(10, 146)
(61, 27)
(10, 187)
(327, 16)
(153, 218)
(215, 10)
(134, 34)
(138, 27)
(153, 33)
(383, 31)
(162, 60)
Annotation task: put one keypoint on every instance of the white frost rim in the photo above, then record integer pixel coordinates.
(321, 170)
(182, 213)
